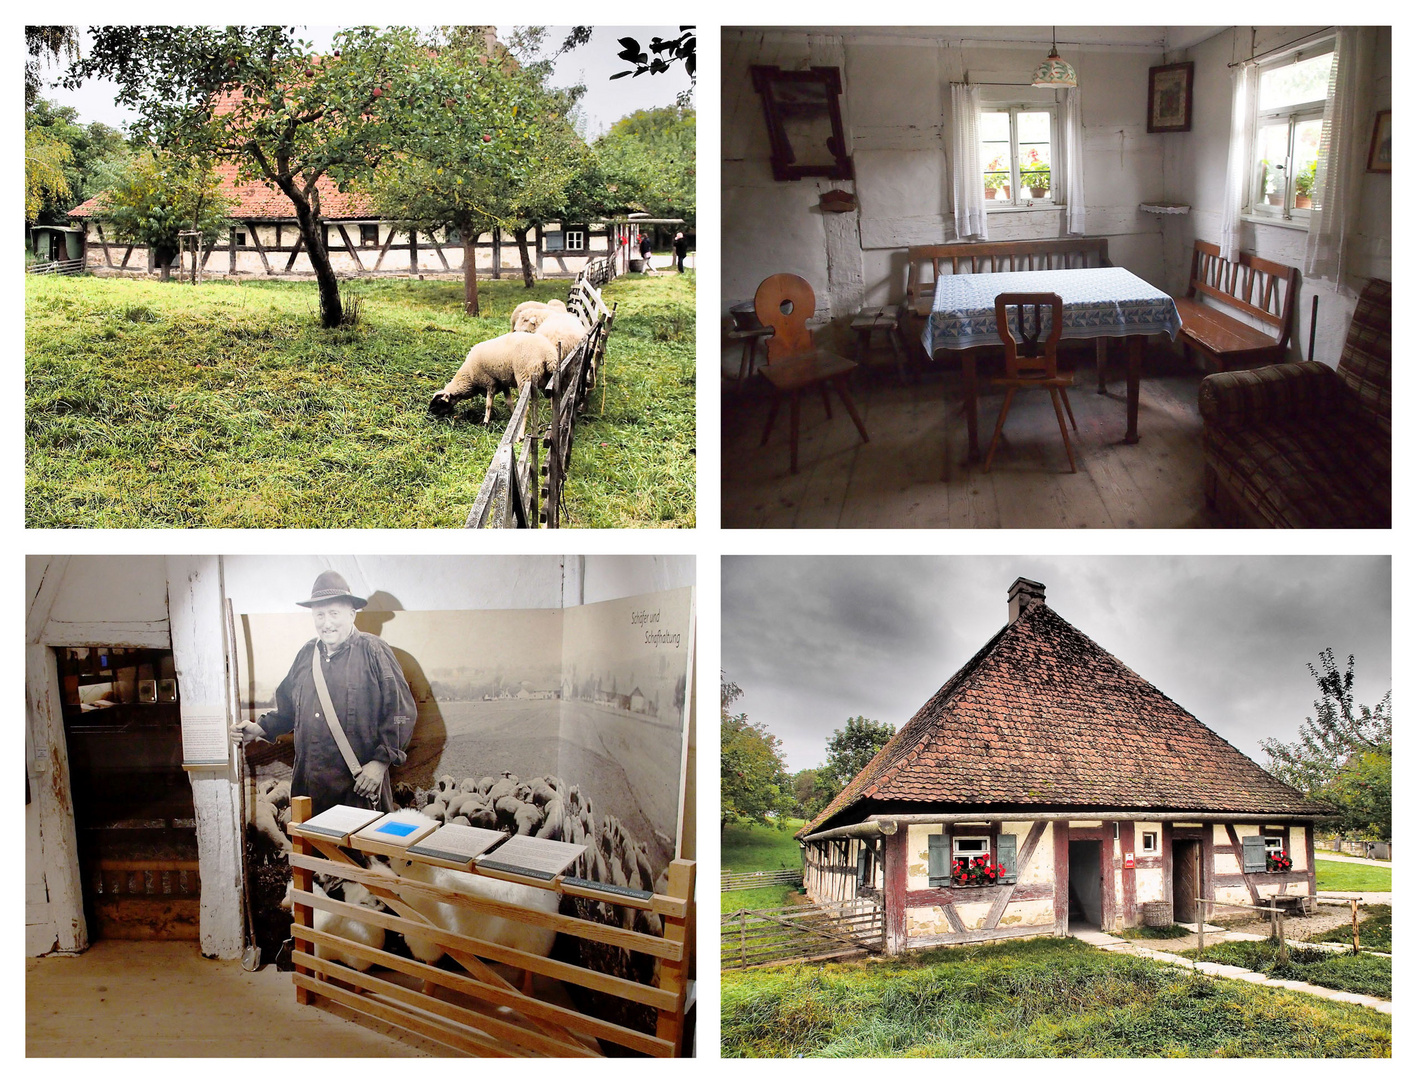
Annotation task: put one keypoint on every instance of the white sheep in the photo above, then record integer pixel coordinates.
(496, 365)
(348, 928)
(529, 313)
(476, 924)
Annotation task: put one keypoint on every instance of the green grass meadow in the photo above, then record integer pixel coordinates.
(1043, 998)
(760, 847)
(1361, 974)
(1374, 929)
(152, 405)
(1334, 876)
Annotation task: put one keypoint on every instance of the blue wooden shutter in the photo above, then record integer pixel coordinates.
(1254, 854)
(1008, 857)
(939, 861)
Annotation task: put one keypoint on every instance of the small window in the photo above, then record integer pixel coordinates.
(970, 847)
(1016, 147)
(1149, 842)
(241, 239)
(575, 239)
(368, 235)
(553, 241)
(1289, 114)
(1273, 844)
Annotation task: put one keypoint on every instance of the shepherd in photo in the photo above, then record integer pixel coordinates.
(347, 703)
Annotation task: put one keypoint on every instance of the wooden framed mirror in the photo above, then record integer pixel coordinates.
(803, 111)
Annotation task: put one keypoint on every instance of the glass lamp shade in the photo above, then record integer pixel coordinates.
(1055, 72)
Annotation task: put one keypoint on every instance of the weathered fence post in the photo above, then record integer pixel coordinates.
(1355, 927)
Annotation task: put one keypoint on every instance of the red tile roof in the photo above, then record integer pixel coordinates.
(1044, 716)
(257, 201)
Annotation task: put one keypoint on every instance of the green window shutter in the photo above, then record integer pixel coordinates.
(861, 857)
(939, 861)
(1254, 854)
(1008, 857)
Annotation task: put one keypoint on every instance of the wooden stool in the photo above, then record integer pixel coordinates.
(885, 320)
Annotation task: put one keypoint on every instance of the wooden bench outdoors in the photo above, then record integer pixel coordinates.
(1260, 288)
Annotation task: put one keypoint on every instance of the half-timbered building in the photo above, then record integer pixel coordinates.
(1092, 792)
(264, 240)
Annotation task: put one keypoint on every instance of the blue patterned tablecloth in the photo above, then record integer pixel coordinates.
(1105, 301)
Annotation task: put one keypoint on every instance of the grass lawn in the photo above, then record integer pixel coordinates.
(159, 405)
(760, 847)
(1352, 877)
(1042, 998)
(1361, 974)
(1374, 932)
(1154, 933)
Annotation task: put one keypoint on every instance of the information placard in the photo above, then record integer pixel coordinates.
(539, 857)
(204, 739)
(340, 821)
(457, 844)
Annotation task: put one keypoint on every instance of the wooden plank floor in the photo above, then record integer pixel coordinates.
(913, 472)
(162, 999)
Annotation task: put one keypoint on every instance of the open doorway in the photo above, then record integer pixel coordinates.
(1185, 879)
(133, 811)
(1084, 884)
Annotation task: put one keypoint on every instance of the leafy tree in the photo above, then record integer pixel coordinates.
(753, 781)
(1343, 755)
(45, 161)
(667, 52)
(849, 750)
(98, 154)
(804, 789)
(41, 42)
(158, 197)
(260, 97)
(653, 152)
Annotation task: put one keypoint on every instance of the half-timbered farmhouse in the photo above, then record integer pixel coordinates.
(1092, 790)
(265, 240)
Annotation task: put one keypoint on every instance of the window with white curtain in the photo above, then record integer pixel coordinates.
(1018, 154)
(1289, 114)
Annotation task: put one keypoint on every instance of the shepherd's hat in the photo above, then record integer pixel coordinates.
(331, 586)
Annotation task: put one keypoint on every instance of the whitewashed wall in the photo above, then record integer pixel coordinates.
(895, 110)
(178, 601)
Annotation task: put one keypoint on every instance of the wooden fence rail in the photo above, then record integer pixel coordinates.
(758, 879)
(475, 1008)
(791, 935)
(522, 488)
(57, 266)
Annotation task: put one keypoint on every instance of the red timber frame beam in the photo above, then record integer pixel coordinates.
(1129, 876)
(895, 866)
(1062, 831)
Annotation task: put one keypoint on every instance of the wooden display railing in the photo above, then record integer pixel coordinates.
(479, 1011)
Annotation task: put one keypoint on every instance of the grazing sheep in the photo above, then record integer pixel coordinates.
(529, 313)
(504, 787)
(460, 920)
(495, 366)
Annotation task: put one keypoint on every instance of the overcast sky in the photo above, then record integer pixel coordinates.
(813, 641)
(604, 101)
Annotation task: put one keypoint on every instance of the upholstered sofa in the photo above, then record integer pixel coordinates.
(1304, 445)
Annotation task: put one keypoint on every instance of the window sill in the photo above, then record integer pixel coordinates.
(1277, 222)
(1023, 209)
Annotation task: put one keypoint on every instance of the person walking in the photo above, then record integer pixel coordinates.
(681, 249)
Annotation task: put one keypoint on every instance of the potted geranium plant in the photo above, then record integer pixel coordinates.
(1304, 186)
(996, 179)
(1035, 175)
(1277, 861)
(976, 871)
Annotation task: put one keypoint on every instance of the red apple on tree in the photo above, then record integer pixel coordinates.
(487, 138)
(378, 91)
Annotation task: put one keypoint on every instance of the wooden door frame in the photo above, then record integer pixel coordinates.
(1103, 834)
(1204, 836)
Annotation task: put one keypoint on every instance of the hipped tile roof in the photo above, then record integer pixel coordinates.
(1044, 716)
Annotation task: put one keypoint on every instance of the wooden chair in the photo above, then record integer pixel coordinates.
(785, 302)
(1030, 363)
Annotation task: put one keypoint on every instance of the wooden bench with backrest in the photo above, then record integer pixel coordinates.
(1260, 288)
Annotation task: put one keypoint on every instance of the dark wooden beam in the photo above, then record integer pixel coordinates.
(256, 243)
(299, 246)
(974, 937)
(107, 258)
(1129, 877)
(1239, 849)
(438, 247)
(1060, 878)
(896, 859)
(1309, 851)
(231, 246)
(1206, 885)
(413, 251)
(385, 249)
(128, 254)
(1110, 899)
(1168, 877)
(976, 894)
(349, 247)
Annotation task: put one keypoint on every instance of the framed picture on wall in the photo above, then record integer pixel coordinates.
(1380, 149)
(1168, 97)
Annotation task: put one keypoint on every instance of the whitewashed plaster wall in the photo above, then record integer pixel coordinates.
(178, 602)
(1195, 174)
(895, 111)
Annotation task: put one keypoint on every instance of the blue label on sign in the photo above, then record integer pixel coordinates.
(396, 828)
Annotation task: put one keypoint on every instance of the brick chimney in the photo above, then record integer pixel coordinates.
(1020, 593)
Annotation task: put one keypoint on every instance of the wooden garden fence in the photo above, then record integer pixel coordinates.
(523, 485)
(758, 879)
(790, 935)
(57, 266)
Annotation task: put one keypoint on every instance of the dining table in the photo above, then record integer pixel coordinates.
(1098, 303)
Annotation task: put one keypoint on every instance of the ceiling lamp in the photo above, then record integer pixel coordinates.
(1055, 71)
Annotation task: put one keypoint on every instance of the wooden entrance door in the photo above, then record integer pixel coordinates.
(1185, 886)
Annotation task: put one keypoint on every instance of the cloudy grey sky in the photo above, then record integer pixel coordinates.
(813, 641)
(593, 63)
